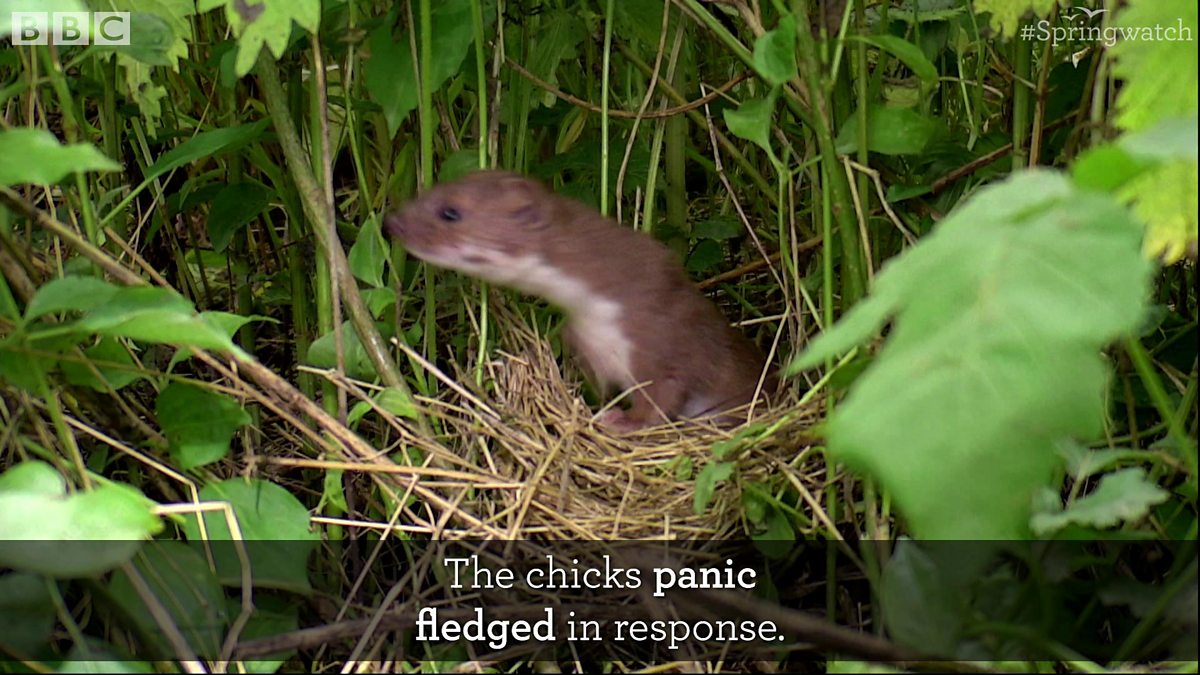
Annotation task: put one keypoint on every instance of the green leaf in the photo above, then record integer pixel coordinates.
(1164, 198)
(198, 423)
(919, 608)
(891, 131)
(107, 350)
(8, 6)
(379, 299)
(752, 121)
(390, 74)
(179, 578)
(908, 54)
(207, 144)
(706, 483)
(322, 352)
(274, 525)
(225, 323)
(775, 52)
(1000, 316)
(272, 615)
(233, 207)
(27, 614)
(1006, 14)
(707, 255)
(1125, 495)
(70, 293)
(718, 228)
(41, 526)
(262, 24)
(368, 254)
(154, 315)
(151, 40)
(44, 159)
(1159, 76)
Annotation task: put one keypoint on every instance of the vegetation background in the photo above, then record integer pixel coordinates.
(967, 230)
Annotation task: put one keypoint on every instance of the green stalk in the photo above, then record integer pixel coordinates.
(1158, 395)
(311, 199)
(427, 124)
(481, 85)
(853, 276)
(1023, 63)
(604, 121)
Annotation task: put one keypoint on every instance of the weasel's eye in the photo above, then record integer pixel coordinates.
(449, 214)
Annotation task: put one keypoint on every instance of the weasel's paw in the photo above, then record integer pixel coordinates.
(618, 421)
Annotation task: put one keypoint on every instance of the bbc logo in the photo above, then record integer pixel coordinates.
(70, 28)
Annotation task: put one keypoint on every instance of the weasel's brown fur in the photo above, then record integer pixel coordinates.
(632, 313)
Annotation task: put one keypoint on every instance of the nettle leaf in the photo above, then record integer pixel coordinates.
(179, 578)
(1164, 198)
(154, 315)
(1160, 76)
(752, 121)
(891, 131)
(198, 423)
(908, 54)
(264, 24)
(1006, 14)
(1125, 495)
(273, 523)
(994, 358)
(775, 52)
(106, 351)
(207, 144)
(44, 160)
(322, 352)
(45, 530)
(160, 30)
(233, 207)
(391, 75)
(70, 293)
(27, 613)
(706, 483)
(368, 254)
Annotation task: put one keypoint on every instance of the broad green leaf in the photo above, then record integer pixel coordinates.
(160, 31)
(47, 531)
(44, 159)
(262, 24)
(705, 256)
(96, 658)
(179, 578)
(274, 525)
(1164, 198)
(1125, 495)
(198, 423)
(234, 207)
(999, 318)
(891, 131)
(719, 228)
(379, 299)
(273, 615)
(1172, 138)
(390, 73)
(27, 614)
(706, 483)
(752, 121)
(107, 350)
(154, 315)
(322, 352)
(225, 323)
(1160, 76)
(908, 54)
(1006, 14)
(920, 608)
(70, 293)
(9, 6)
(775, 52)
(207, 144)
(368, 254)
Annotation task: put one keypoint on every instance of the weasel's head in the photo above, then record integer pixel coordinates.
(489, 224)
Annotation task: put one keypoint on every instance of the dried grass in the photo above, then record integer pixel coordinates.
(559, 476)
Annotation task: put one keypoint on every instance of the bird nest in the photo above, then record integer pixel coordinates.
(544, 469)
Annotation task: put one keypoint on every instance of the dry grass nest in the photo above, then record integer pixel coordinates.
(541, 469)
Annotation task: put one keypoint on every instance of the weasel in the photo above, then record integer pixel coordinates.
(632, 313)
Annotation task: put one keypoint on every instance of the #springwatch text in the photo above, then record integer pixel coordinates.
(466, 573)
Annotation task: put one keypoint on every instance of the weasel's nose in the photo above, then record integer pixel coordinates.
(395, 224)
